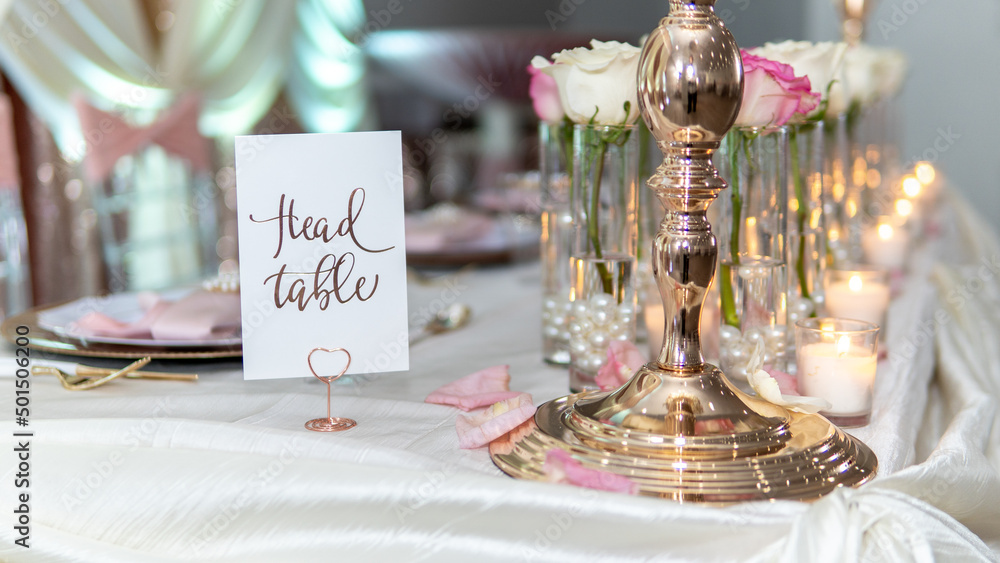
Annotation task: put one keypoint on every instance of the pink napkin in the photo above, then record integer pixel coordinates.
(477, 390)
(197, 316)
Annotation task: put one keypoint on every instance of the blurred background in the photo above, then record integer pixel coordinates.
(118, 116)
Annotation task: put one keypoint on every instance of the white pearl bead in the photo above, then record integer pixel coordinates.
(580, 309)
(600, 317)
(626, 309)
(558, 320)
(578, 346)
(599, 338)
(623, 337)
(615, 328)
(728, 334)
(753, 334)
(575, 328)
(586, 326)
(550, 332)
(550, 304)
(564, 335)
(600, 300)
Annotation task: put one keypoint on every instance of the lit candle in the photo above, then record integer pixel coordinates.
(837, 361)
(841, 374)
(857, 294)
(885, 246)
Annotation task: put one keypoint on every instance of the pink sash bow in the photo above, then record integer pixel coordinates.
(109, 137)
(8, 151)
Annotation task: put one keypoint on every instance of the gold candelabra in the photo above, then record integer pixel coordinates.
(678, 428)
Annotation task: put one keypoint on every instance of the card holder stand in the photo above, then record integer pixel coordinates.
(330, 423)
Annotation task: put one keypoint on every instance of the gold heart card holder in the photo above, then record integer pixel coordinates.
(330, 423)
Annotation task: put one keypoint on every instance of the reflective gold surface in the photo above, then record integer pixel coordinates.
(678, 428)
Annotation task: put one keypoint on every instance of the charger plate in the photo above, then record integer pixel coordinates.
(43, 339)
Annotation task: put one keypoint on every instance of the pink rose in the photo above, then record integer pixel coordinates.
(545, 96)
(772, 93)
(623, 361)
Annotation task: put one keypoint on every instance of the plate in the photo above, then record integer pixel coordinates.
(455, 236)
(40, 338)
(124, 307)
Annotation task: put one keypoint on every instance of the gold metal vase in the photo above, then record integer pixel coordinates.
(678, 428)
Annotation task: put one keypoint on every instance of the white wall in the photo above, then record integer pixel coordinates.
(953, 91)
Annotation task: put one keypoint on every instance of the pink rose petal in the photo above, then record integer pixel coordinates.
(482, 427)
(623, 361)
(788, 384)
(544, 91)
(772, 94)
(477, 390)
(561, 467)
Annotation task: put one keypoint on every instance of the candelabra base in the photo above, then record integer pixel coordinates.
(690, 437)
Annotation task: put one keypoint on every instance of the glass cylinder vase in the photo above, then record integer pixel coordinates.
(752, 274)
(807, 245)
(605, 218)
(555, 147)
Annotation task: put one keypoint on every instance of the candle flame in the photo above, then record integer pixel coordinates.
(827, 327)
(904, 207)
(885, 231)
(855, 283)
(912, 186)
(925, 173)
(843, 345)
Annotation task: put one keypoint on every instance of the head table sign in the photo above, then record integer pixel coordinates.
(322, 256)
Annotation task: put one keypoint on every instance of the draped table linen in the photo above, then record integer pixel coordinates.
(223, 470)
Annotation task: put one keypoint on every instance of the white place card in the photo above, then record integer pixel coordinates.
(322, 256)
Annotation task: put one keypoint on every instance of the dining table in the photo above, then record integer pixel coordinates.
(223, 469)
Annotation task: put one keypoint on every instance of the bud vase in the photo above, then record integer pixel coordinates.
(555, 144)
(807, 244)
(605, 219)
(752, 274)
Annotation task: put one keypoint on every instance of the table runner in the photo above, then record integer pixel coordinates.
(223, 470)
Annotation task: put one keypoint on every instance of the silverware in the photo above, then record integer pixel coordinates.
(78, 377)
(450, 318)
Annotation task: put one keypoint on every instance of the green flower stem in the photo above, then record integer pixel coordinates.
(592, 221)
(729, 314)
(801, 214)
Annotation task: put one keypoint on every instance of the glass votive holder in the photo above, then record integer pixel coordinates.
(857, 292)
(837, 361)
(885, 244)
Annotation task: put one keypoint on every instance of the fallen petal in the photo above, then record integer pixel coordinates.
(561, 467)
(482, 427)
(767, 389)
(477, 390)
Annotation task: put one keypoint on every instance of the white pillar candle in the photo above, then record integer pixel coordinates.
(841, 373)
(858, 299)
(885, 246)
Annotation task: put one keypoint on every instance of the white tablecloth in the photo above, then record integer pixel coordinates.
(222, 469)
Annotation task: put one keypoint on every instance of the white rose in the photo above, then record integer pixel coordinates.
(822, 63)
(596, 82)
(891, 68)
(861, 78)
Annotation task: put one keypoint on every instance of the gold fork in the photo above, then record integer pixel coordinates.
(88, 377)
